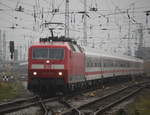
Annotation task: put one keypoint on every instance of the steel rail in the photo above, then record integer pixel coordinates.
(91, 102)
(101, 110)
(43, 106)
(67, 112)
(22, 105)
(16, 102)
(69, 106)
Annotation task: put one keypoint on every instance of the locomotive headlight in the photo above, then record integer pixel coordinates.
(60, 73)
(34, 73)
(47, 61)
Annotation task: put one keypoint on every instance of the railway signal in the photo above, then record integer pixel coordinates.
(11, 47)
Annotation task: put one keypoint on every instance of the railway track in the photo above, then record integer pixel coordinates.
(45, 110)
(102, 104)
(24, 103)
(96, 106)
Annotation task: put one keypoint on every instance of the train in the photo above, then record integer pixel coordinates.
(61, 65)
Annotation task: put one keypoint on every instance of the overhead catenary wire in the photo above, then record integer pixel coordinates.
(107, 13)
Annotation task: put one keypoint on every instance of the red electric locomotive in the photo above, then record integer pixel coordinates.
(53, 65)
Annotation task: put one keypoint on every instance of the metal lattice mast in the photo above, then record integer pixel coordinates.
(67, 19)
(129, 39)
(140, 36)
(1, 48)
(85, 24)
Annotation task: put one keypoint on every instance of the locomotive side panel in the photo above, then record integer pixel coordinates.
(77, 68)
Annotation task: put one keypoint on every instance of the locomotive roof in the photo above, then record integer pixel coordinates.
(58, 39)
(49, 43)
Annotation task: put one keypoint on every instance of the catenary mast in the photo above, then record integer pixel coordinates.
(85, 24)
(67, 19)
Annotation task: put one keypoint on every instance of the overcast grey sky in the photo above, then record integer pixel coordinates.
(105, 28)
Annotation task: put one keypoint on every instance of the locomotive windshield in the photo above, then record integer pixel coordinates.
(48, 53)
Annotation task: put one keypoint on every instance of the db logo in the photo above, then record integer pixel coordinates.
(47, 66)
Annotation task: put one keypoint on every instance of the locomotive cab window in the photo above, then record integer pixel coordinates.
(40, 53)
(72, 47)
(48, 53)
(76, 48)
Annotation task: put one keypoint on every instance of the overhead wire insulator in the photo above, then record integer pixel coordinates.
(128, 14)
(107, 19)
(94, 6)
(54, 8)
(147, 14)
(42, 16)
(34, 14)
(74, 19)
(19, 8)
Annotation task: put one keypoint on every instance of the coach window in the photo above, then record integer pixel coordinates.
(100, 64)
(117, 63)
(95, 64)
(98, 61)
(127, 64)
(121, 63)
(92, 64)
(111, 63)
(87, 62)
(107, 63)
(137, 64)
(131, 64)
(104, 63)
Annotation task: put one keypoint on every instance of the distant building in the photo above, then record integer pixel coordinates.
(1, 47)
(16, 55)
(143, 53)
(147, 67)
